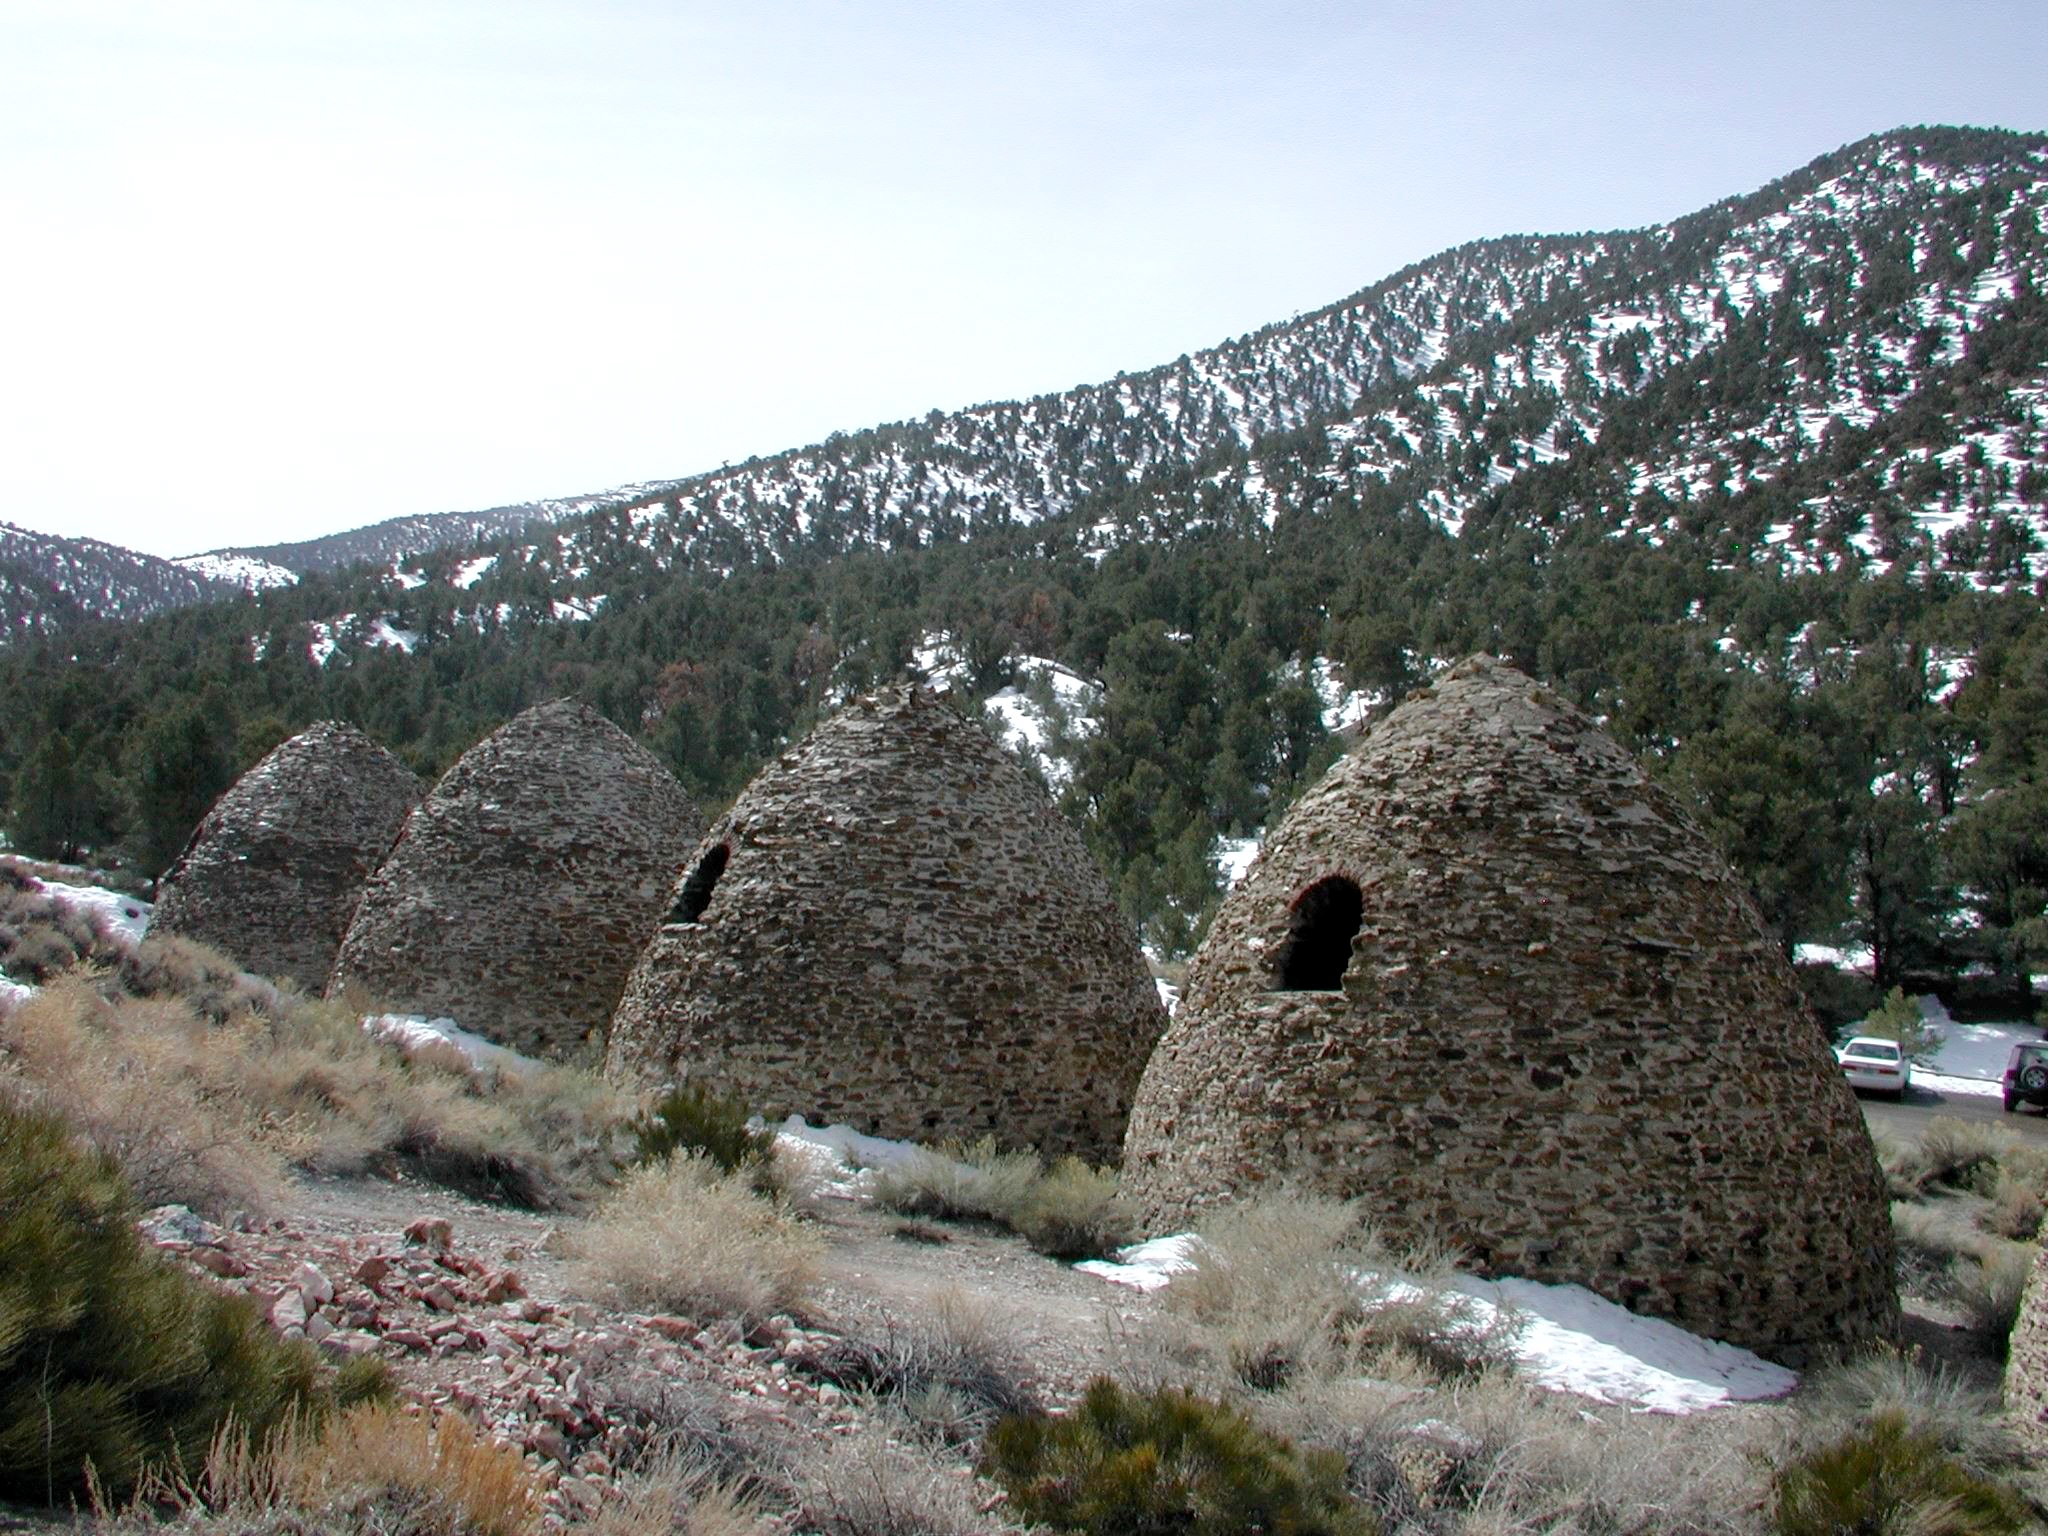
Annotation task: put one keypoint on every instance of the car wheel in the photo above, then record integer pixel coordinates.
(2035, 1079)
(2009, 1102)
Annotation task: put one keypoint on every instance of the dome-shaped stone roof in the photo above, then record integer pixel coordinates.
(274, 870)
(523, 887)
(894, 928)
(1489, 978)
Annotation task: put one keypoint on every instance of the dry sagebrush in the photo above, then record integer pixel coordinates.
(681, 1236)
(213, 1112)
(1289, 1286)
(376, 1468)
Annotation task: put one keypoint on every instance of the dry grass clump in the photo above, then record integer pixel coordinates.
(680, 1236)
(1075, 1212)
(1289, 1286)
(1492, 1455)
(1989, 1288)
(42, 937)
(867, 1484)
(951, 1371)
(1973, 1201)
(202, 978)
(1072, 1211)
(211, 1113)
(672, 1495)
(1957, 1154)
(959, 1182)
(376, 1468)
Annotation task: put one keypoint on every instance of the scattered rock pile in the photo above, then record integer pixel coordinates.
(523, 887)
(274, 871)
(1487, 978)
(893, 927)
(580, 1390)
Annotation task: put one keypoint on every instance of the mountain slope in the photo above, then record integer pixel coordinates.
(48, 582)
(1765, 341)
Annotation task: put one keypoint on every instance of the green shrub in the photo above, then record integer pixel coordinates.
(1074, 1212)
(109, 1358)
(1165, 1461)
(694, 1119)
(1885, 1476)
(1899, 1018)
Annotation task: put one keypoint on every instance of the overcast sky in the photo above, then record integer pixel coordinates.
(274, 269)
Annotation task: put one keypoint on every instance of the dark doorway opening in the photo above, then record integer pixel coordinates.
(695, 895)
(1327, 917)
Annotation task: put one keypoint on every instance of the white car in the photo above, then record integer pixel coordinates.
(1878, 1065)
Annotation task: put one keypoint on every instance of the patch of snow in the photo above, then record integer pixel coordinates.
(470, 572)
(250, 574)
(1972, 1053)
(1855, 958)
(1233, 858)
(384, 632)
(1575, 1341)
(1169, 994)
(12, 992)
(1343, 708)
(412, 1032)
(1570, 1339)
(127, 917)
(1148, 1265)
(841, 1159)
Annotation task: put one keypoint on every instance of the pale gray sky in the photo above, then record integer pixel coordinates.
(274, 269)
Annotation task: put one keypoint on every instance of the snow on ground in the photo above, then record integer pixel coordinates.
(1233, 857)
(12, 992)
(470, 572)
(1967, 1058)
(245, 571)
(412, 1032)
(1025, 726)
(1571, 1340)
(1853, 959)
(1344, 708)
(125, 915)
(384, 632)
(841, 1159)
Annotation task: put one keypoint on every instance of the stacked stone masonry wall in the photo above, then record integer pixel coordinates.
(2026, 1364)
(523, 887)
(274, 871)
(907, 938)
(1564, 1042)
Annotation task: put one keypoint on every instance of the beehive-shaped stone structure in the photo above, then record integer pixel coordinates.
(1488, 978)
(2026, 1363)
(274, 870)
(522, 888)
(893, 928)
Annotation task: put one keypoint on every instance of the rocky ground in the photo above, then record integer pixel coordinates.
(472, 1307)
